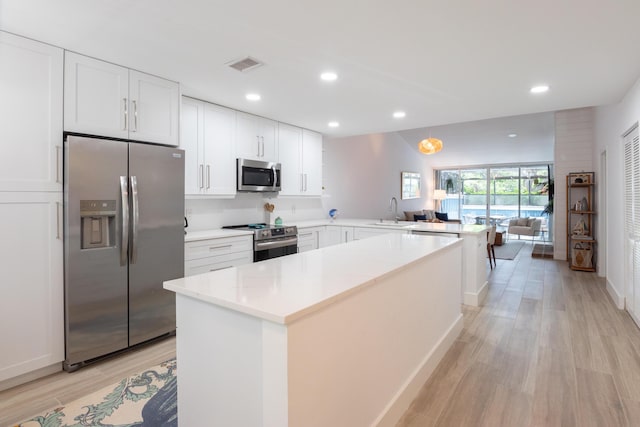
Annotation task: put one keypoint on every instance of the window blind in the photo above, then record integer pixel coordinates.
(632, 220)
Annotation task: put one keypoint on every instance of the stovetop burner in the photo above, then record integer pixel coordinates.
(264, 231)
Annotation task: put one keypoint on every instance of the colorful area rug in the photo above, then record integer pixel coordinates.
(508, 250)
(147, 399)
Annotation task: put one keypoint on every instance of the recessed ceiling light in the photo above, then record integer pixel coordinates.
(329, 76)
(333, 124)
(253, 97)
(512, 135)
(539, 89)
(399, 114)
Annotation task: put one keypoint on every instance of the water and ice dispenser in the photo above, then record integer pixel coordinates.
(98, 223)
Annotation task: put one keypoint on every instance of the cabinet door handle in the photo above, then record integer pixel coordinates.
(135, 116)
(126, 113)
(258, 140)
(58, 161)
(305, 182)
(58, 220)
(262, 140)
(208, 176)
(201, 177)
(211, 248)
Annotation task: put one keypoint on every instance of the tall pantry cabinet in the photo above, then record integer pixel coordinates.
(31, 307)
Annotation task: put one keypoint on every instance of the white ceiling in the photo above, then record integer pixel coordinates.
(440, 61)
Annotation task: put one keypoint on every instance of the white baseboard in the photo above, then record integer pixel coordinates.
(401, 401)
(474, 299)
(30, 376)
(618, 299)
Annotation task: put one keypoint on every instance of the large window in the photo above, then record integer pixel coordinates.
(495, 194)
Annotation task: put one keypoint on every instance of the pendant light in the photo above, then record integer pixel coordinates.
(430, 145)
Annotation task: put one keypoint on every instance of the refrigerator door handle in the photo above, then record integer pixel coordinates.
(134, 221)
(124, 242)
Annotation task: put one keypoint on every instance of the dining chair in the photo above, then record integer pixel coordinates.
(491, 240)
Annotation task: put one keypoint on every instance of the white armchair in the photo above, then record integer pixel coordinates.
(525, 227)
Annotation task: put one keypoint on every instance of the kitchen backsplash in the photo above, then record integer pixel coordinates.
(204, 214)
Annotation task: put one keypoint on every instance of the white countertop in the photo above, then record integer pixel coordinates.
(283, 289)
(436, 227)
(443, 227)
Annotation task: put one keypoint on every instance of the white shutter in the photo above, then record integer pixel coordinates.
(632, 221)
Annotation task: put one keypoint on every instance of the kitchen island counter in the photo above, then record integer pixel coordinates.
(304, 340)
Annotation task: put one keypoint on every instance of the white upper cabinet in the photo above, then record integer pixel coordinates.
(208, 138)
(301, 158)
(105, 99)
(31, 107)
(312, 163)
(256, 138)
(290, 147)
(96, 97)
(192, 142)
(220, 150)
(154, 113)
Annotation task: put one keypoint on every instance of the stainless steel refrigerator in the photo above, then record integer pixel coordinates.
(124, 236)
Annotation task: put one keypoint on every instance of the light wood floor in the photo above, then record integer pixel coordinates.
(547, 348)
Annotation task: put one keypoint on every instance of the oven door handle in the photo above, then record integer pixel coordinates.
(275, 243)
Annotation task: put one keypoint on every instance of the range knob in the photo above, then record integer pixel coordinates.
(265, 233)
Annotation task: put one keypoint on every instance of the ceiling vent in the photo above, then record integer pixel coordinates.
(245, 64)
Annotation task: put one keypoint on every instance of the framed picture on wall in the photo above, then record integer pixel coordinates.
(410, 185)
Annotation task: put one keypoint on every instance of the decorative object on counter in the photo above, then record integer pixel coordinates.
(333, 214)
(278, 221)
(268, 209)
(146, 398)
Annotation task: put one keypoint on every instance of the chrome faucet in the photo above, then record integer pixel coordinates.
(395, 211)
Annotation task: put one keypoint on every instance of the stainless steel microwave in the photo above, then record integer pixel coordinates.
(258, 176)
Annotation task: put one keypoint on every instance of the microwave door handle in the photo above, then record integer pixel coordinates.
(275, 177)
(124, 241)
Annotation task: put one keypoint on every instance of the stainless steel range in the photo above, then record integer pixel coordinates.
(271, 241)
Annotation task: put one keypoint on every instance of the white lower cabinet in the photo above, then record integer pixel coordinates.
(310, 238)
(336, 234)
(203, 256)
(32, 285)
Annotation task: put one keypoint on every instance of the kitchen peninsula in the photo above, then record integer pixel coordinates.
(344, 335)
(474, 253)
